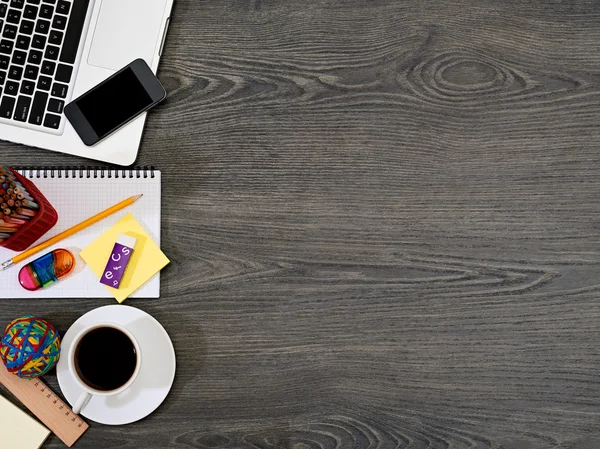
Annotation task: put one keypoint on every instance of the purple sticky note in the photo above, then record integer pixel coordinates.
(118, 260)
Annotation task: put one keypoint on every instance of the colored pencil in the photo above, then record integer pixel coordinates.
(31, 204)
(17, 206)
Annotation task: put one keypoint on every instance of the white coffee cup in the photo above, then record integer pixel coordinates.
(88, 391)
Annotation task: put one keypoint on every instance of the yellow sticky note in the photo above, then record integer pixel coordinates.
(147, 258)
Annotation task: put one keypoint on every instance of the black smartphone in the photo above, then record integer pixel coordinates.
(114, 102)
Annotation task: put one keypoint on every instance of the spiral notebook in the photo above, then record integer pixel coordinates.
(77, 194)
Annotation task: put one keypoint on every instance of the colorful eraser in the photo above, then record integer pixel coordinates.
(46, 270)
(118, 260)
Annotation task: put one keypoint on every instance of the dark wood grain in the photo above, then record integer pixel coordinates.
(383, 218)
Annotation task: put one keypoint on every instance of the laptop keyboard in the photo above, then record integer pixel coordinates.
(39, 40)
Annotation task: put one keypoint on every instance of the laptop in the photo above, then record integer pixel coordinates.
(52, 51)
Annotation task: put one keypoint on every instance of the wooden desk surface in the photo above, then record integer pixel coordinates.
(384, 221)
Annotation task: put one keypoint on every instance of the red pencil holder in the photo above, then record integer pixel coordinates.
(45, 219)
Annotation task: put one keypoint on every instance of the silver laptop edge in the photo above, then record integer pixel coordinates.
(115, 32)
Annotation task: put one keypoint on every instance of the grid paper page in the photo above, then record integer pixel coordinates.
(75, 200)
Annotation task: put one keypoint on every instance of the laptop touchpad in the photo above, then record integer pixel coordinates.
(125, 31)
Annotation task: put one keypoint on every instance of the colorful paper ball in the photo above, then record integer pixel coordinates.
(30, 347)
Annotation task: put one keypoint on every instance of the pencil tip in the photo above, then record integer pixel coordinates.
(137, 197)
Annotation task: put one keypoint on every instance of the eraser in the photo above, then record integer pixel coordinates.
(118, 260)
(127, 240)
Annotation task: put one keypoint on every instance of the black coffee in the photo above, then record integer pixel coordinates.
(105, 359)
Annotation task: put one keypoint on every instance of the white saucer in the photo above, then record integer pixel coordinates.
(156, 373)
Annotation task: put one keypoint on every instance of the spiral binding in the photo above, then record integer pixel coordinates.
(85, 172)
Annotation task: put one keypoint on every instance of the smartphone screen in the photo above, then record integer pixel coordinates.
(114, 102)
(121, 98)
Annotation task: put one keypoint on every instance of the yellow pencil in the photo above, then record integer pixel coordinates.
(69, 232)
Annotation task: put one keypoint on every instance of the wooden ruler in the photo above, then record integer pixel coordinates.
(46, 405)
